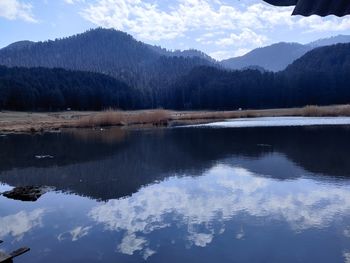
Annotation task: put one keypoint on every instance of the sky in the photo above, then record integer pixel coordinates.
(221, 28)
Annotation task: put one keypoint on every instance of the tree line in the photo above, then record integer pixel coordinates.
(320, 77)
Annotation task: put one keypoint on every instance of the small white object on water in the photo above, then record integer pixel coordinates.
(43, 156)
(264, 145)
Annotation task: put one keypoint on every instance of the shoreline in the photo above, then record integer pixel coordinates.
(34, 122)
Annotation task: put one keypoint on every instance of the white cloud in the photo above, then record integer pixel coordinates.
(71, 2)
(131, 243)
(75, 234)
(246, 38)
(347, 232)
(15, 9)
(148, 21)
(201, 239)
(219, 195)
(346, 255)
(244, 26)
(318, 24)
(18, 224)
(241, 52)
(224, 54)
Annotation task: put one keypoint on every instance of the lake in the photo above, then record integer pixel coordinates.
(212, 193)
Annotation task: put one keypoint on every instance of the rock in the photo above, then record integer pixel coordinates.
(27, 193)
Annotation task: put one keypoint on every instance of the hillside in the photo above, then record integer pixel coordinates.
(106, 51)
(55, 89)
(340, 39)
(320, 77)
(333, 59)
(278, 56)
(273, 58)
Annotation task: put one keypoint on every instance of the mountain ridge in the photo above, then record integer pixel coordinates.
(107, 51)
(278, 56)
(320, 77)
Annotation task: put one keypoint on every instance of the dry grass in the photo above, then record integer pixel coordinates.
(317, 111)
(37, 122)
(120, 118)
(215, 115)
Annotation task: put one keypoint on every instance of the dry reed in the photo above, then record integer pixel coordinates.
(120, 118)
(331, 111)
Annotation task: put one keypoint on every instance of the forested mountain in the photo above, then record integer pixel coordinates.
(278, 56)
(189, 53)
(57, 89)
(140, 65)
(334, 59)
(19, 45)
(321, 77)
(106, 51)
(340, 39)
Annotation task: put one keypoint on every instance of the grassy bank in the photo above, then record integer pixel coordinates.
(36, 122)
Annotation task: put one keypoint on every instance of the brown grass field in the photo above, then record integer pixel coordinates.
(49, 121)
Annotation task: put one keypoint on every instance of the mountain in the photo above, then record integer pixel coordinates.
(274, 58)
(57, 89)
(340, 39)
(106, 51)
(335, 59)
(189, 53)
(320, 77)
(19, 45)
(278, 56)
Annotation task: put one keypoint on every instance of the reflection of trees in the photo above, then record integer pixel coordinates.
(91, 165)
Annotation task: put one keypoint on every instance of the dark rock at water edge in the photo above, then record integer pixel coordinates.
(26, 193)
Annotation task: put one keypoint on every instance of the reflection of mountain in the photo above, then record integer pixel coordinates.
(106, 169)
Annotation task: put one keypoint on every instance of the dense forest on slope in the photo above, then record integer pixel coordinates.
(321, 77)
(106, 51)
(57, 89)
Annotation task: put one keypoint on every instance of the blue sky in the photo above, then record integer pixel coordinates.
(221, 28)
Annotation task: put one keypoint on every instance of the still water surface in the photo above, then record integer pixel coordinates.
(200, 194)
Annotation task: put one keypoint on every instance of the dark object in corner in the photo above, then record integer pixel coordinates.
(316, 7)
(26, 193)
(282, 2)
(7, 258)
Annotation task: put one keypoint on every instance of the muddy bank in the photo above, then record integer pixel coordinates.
(33, 122)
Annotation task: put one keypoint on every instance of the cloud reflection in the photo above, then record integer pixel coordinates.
(19, 224)
(218, 196)
(75, 234)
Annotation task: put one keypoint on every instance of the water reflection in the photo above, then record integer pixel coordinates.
(202, 205)
(84, 163)
(75, 234)
(18, 224)
(180, 195)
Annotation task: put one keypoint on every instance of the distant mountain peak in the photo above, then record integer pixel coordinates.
(331, 41)
(110, 52)
(19, 45)
(278, 56)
